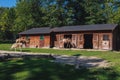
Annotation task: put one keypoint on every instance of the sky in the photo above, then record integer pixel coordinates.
(7, 3)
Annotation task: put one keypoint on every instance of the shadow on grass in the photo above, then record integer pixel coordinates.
(43, 69)
(25, 50)
(77, 55)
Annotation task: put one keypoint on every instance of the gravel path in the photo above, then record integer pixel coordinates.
(77, 61)
(83, 61)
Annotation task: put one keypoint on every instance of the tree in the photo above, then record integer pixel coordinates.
(56, 13)
(28, 15)
(112, 11)
(93, 11)
(7, 22)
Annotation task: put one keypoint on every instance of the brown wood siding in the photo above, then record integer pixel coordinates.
(56, 41)
(59, 42)
(46, 41)
(34, 41)
(77, 39)
(80, 41)
(105, 44)
(111, 40)
(116, 39)
(74, 40)
(95, 41)
(99, 43)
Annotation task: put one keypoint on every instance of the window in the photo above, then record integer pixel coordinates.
(27, 37)
(105, 37)
(41, 37)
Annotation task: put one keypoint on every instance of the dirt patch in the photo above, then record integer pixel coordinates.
(77, 61)
(82, 61)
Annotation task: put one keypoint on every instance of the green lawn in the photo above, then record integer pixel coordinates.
(43, 69)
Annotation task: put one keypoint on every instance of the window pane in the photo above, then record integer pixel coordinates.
(41, 37)
(27, 37)
(105, 37)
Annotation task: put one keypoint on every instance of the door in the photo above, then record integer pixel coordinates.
(47, 41)
(95, 41)
(74, 40)
(80, 41)
(61, 44)
(88, 41)
(106, 42)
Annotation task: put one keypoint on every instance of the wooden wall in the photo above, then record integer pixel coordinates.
(116, 38)
(99, 43)
(47, 41)
(35, 41)
(78, 40)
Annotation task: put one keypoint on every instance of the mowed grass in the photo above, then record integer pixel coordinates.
(5, 46)
(43, 69)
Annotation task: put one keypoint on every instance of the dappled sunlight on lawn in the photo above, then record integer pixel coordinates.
(43, 69)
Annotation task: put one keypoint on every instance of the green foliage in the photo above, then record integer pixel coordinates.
(7, 19)
(6, 23)
(93, 11)
(111, 11)
(57, 14)
(54, 13)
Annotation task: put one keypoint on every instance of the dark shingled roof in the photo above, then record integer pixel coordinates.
(44, 30)
(47, 30)
(95, 27)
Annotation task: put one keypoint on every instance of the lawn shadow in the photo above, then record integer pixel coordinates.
(43, 69)
(25, 50)
(77, 55)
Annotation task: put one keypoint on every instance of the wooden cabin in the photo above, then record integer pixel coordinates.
(97, 36)
(38, 37)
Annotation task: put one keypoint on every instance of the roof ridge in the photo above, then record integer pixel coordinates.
(92, 27)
